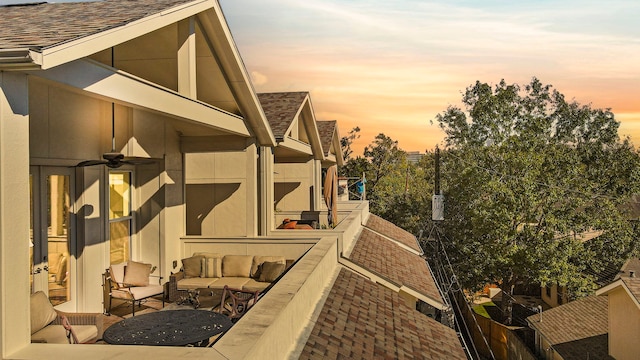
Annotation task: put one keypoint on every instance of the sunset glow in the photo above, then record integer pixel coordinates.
(391, 66)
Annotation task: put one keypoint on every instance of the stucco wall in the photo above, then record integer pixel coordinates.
(293, 185)
(219, 190)
(624, 326)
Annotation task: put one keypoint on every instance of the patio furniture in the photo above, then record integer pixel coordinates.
(236, 301)
(215, 271)
(51, 326)
(130, 281)
(168, 328)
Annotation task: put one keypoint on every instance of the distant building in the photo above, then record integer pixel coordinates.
(414, 156)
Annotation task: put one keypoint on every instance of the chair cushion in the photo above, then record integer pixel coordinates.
(258, 260)
(211, 267)
(270, 271)
(192, 266)
(137, 274)
(42, 312)
(195, 283)
(237, 265)
(117, 275)
(56, 334)
(232, 282)
(208, 254)
(138, 292)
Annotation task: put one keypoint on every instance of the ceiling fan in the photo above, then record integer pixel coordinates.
(114, 159)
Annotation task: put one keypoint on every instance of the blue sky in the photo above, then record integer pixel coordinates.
(391, 66)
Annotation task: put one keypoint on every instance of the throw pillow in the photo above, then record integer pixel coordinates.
(42, 312)
(259, 259)
(192, 266)
(270, 271)
(237, 265)
(291, 225)
(210, 267)
(137, 274)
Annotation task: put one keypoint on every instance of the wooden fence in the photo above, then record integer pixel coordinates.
(502, 341)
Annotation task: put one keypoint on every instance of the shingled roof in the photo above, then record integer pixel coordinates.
(393, 231)
(43, 25)
(281, 109)
(326, 128)
(576, 328)
(363, 320)
(394, 263)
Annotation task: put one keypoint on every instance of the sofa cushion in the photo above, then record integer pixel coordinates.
(258, 260)
(233, 282)
(56, 334)
(254, 285)
(137, 274)
(237, 265)
(270, 271)
(211, 267)
(195, 283)
(192, 266)
(42, 312)
(117, 275)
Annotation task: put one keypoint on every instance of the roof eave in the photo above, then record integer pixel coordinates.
(20, 59)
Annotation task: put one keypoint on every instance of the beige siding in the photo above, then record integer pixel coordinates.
(624, 326)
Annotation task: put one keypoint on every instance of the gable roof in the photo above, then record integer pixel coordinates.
(51, 24)
(329, 137)
(283, 109)
(396, 264)
(576, 328)
(45, 36)
(628, 279)
(363, 320)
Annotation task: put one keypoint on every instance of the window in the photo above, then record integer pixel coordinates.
(119, 216)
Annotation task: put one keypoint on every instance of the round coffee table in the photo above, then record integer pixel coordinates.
(168, 328)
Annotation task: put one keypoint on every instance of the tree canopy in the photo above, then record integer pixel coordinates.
(526, 175)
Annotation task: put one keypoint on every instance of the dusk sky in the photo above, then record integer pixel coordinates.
(391, 66)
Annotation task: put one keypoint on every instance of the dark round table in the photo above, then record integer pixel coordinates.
(168, 327)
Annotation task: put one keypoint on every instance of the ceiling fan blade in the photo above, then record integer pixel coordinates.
(91, 163)
(138, 161)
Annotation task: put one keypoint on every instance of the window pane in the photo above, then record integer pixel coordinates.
(119, 195)
(119, 231)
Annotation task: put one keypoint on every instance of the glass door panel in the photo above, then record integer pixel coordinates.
(52, 235)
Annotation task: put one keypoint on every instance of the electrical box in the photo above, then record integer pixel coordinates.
(437, 207)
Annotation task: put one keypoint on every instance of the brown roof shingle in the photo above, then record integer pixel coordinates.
(393, 231)
(326, 128)
(576, 328)
(387, 259)
(363, 320)
(44, 25)
(280, 109)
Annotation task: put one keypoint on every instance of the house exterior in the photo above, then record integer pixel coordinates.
(161, 84)
(576, 330)
(298, 155)
(624, 312)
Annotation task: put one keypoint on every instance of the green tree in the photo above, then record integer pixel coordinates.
(347, 141)
(524, 174)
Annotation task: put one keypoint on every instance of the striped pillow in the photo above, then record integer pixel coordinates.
(211, 267)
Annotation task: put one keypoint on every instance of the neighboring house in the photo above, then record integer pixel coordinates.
(298, 155)
(624, 312)
(576, 330)
(161, 83)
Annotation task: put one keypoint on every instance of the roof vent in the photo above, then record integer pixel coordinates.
(632, 273)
